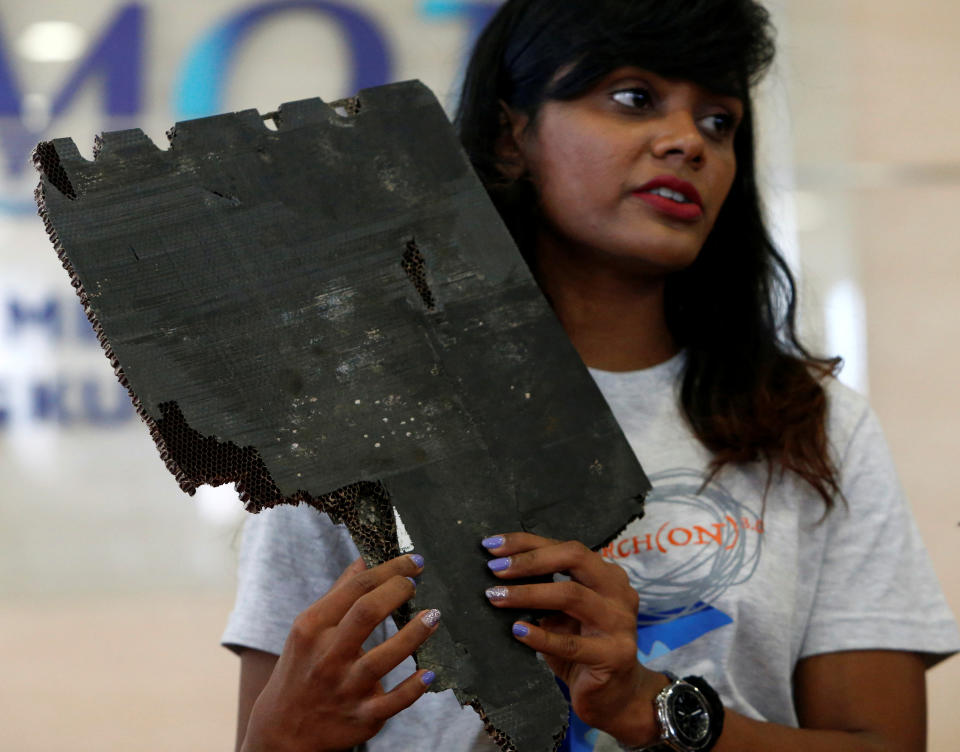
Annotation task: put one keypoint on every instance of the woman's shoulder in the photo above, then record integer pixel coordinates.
(857, 442)
(848, 411)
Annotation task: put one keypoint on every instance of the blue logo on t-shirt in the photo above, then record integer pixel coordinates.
(658, 636)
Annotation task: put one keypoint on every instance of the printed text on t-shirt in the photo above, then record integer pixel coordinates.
(723, 534)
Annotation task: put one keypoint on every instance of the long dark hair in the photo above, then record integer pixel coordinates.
(750, 389)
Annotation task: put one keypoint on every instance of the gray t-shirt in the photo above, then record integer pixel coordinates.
(734, 585)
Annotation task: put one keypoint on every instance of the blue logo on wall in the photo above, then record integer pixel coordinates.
(116, 59)
(117, 62)
(476, 14)
(203, 77)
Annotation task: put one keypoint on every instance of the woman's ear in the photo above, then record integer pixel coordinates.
(510, 154)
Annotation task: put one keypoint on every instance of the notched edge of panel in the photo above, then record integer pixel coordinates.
(48, 158)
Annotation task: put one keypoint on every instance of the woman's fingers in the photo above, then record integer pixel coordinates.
(559, 624)
(573, 599)
(377, 662)
(333, 607)
(402, 696)
(325, 681)
(526, 555)
(366, 613)
(589, 636)
(573, 648)
(356, 567)
(511, 543)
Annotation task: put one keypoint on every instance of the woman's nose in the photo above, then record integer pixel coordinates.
(678, 136)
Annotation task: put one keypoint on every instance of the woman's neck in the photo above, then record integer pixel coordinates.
(614, 316)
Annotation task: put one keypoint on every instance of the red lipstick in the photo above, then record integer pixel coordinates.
(689, 208)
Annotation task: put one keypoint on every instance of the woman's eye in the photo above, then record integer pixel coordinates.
(636, 98)
(719, 124)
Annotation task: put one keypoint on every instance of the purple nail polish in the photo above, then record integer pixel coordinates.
(494, 541)
(413, 581)
(431, 617)
(418, 560)
(498, 565)
(428, 678)
(520, 630)
(496, 594)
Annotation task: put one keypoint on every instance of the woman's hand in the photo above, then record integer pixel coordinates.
(590, 641)
(866, 701)
(325, 692)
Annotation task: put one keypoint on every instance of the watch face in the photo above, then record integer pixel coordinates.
(691, 716)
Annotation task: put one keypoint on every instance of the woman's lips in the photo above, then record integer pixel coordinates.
(670, 207)
(689, 209)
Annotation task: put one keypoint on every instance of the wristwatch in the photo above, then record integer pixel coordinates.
(689, 714)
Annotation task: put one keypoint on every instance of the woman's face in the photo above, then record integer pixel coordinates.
(634, 171)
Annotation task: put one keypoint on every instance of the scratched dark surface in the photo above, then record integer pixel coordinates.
(332, 313)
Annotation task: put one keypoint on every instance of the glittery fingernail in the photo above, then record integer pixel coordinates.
(498, 565)
(494, 541)
(520, 630)
(418, 560)
(431, 617)
(496, 594)
(428, 678)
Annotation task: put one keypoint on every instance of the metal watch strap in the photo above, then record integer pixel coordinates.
(716, 716)
(658, 746)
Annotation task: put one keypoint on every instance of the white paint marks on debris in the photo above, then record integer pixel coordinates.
(403, 537)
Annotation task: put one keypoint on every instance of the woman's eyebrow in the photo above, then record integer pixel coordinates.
(728, 101)
(637, 74)
(734, 104)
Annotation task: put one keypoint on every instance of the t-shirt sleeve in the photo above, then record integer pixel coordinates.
(877, 589)
(289, 557)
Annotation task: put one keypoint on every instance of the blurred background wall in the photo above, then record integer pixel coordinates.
(114, 586)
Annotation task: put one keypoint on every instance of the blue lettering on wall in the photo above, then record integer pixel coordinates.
(204, 74)
(48, 403)
(46, 315)
(94, 395)
(55, 317)
(10, 99)
(89, 401)
(117, 57)
(66, 401)
(476, 12)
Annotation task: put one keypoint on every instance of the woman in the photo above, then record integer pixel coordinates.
(777, 559)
